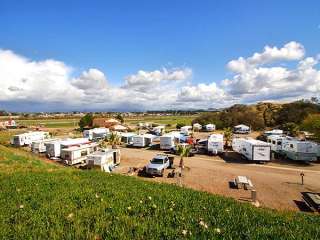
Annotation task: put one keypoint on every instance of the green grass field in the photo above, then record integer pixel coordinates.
(41, 200)
(50, 123)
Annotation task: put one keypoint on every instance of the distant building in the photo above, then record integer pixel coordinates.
(103, 122)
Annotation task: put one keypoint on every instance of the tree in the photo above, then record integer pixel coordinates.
(227, 136)
(312, 124)
(291, 128)
(120, 118)
(114, 140)
(183, 151)
(86, 120)
(180, 125)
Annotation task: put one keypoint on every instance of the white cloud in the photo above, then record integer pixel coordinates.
(290, 51)
(91, 79)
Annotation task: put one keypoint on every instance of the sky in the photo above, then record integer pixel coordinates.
(155, 55)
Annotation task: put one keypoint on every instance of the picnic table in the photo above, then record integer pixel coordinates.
(243, 181)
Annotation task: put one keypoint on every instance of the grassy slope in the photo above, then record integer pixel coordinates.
(40, 200)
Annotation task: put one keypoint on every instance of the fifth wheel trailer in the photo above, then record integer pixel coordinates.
(169, 140)
(215, 144)
(297, 150)
(253, 150)
(28, 137)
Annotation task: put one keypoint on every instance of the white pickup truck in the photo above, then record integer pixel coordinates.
(158, 164)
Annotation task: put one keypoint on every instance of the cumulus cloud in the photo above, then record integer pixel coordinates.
(91, 79)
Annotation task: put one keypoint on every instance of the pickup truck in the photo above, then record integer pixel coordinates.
(158, 164)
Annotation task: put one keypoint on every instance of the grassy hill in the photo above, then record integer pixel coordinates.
(41, 200)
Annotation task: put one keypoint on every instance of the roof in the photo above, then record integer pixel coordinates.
(256, 142)
(119, 127)
(241, 126)
(75, 148)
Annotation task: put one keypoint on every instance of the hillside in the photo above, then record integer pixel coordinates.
(41, 200)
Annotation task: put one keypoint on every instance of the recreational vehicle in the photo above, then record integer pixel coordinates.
(127, 138)
(276, 132)
(197, 127)
(143, 140)
(107, 159)
(215, 144)
(159, 130)
(252, 149)
(53, 149)
(275, 142)
(186, 130)
(297, 150)
(95, 133)
(242, 129)
(168, 140)
(77, 154)
(27, 138)
(210, 127)
(40, 146)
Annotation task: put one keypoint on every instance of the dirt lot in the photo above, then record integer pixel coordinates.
(278, 184)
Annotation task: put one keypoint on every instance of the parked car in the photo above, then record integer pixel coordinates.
(158, 164)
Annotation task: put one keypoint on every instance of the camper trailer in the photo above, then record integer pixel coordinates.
(127, 138)
(186, 130)
(297, 150)
(107, 159)
(159, 130)
(241, 129)
(252, 149)
(275, 142)
(143, 140)
(27, 138)
(197, 127)
(273, 132)
(215, 144)
(77, 154)
(210, 127)
(168, 140)
(53, 149)
(40, 146)
(95, 133)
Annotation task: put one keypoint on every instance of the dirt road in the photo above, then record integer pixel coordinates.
(278, 184)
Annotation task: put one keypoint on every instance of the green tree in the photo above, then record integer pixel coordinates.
(86, 121)
(180, 125)
(291, 127)
(183, 151)
(312, 124)
(227, 136)
(120, 118)
(114, 140)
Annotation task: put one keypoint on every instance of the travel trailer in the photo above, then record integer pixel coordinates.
(252, 149)
(159, 130)
(95, 133)
(127, 138)
(53, 149)
(77, 154)
(297, 150)
(106, 159)
(210, 127)
(27, 138)
(215, 144)
(242, 129)
(168, 140)
(197, 127)
(143, 140)
(186, 130)
(276, 132)
(275, 142)
(40, 146)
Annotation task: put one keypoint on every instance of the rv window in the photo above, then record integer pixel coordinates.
(273, 142)
(67, 156)
(279, 143)
(83, 153)
(291, 145)
(244, 149)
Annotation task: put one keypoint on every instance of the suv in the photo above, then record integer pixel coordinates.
(157, 165)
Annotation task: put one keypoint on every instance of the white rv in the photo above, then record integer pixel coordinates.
(27, 138)
(252, 149)
(77, 154)
(53, 149)
(276, 132)
(169, 140)
(295, 149)
(197, 127)
(127, 138)
(242, 129)
(276, 142)
(215, 144)
(143, 140)
(210, 127)
(95, 133)
(40, 146)
(186, 130)
(107, 159)
(159, 130)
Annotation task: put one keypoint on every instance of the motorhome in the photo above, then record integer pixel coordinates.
(27, 138)
(127, 138)
(143, 140)
(106, 159)
(40, 145)
(53, 149)
(297, 150)
(215, 144)
(186, 130)
(95, 133)
(210, 127)
(242, 129)
(252, 149)
(168, 140)
(77, 154)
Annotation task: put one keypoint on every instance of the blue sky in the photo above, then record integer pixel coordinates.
(120, 38)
